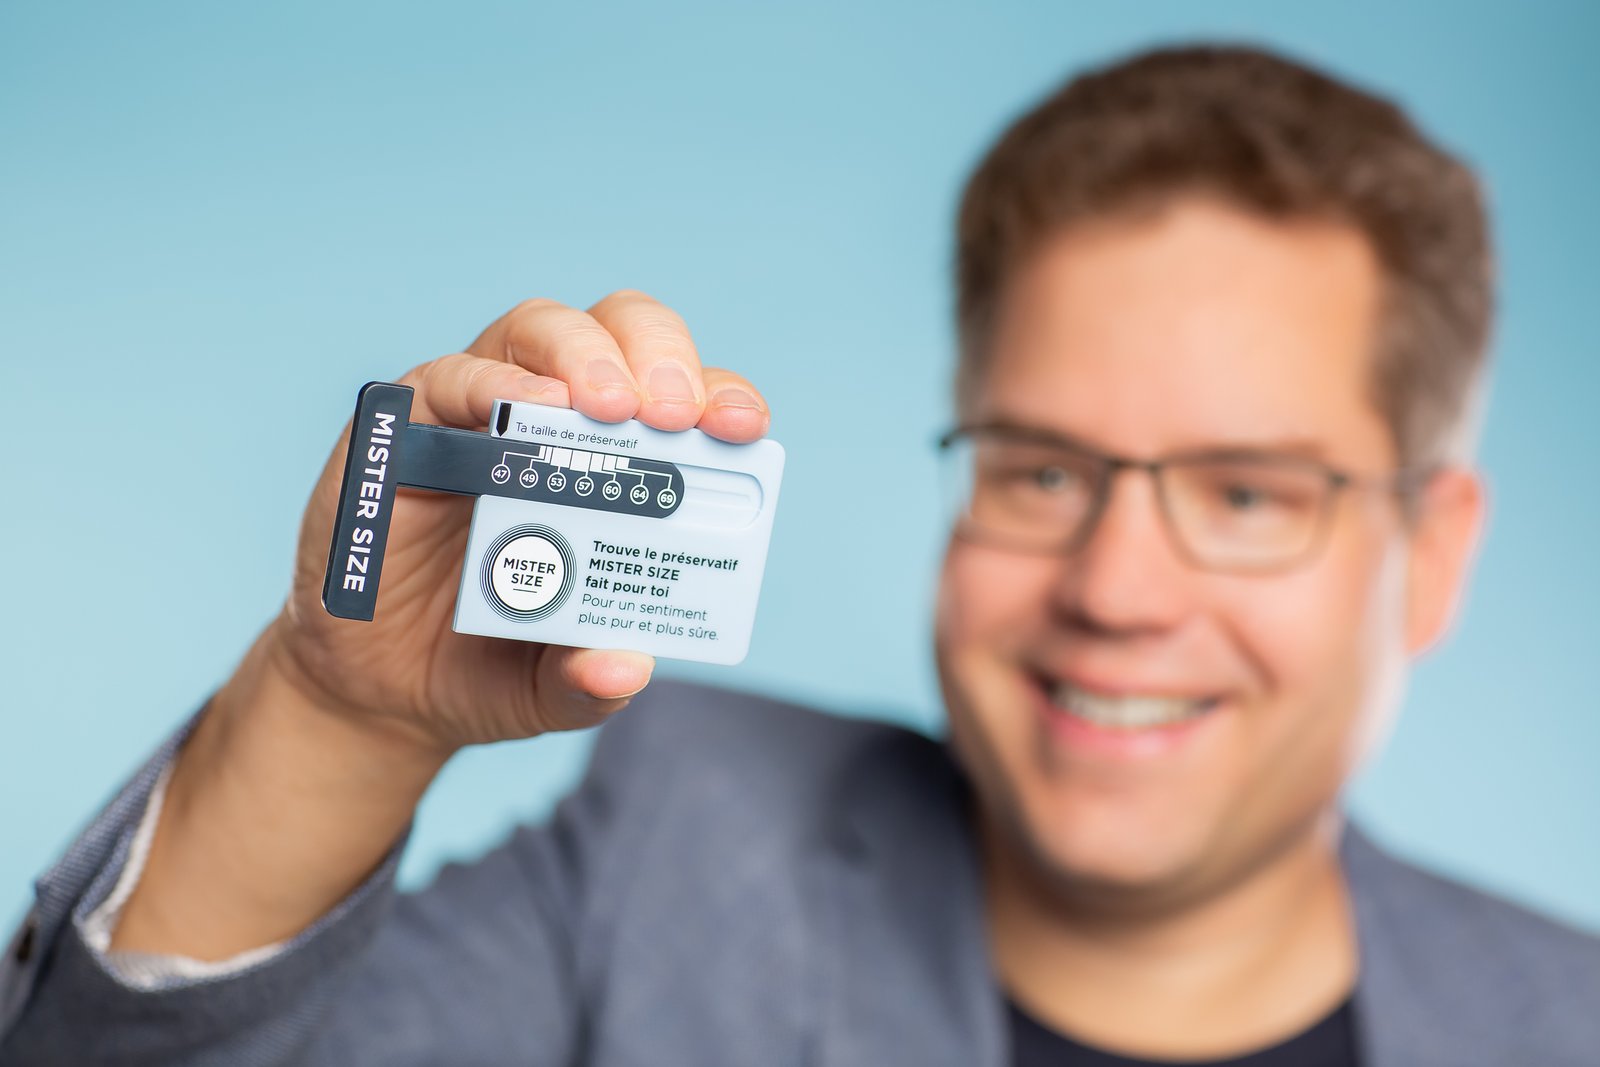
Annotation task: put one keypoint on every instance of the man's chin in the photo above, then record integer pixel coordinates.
(1076, 844)
(1108, 864)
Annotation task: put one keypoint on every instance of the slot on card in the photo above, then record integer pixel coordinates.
(728, 500)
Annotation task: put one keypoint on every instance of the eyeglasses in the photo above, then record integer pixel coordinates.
(1226, 510)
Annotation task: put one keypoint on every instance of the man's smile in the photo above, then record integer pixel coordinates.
(1127, 710)
(1122, 723)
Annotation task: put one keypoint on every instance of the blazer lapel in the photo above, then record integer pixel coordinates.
(904, 976)
(1423, 996)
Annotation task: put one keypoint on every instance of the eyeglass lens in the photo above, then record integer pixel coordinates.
(1225, 512)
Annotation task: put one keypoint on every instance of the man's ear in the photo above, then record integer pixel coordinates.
(1448, 522)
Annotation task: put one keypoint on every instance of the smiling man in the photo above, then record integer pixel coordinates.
(1222, 325)
(1178, 610)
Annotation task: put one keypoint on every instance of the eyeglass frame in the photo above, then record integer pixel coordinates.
(1405, 481)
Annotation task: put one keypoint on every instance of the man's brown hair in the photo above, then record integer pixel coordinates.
(1278, 139)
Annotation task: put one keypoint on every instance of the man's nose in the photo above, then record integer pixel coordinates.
(1129, 576)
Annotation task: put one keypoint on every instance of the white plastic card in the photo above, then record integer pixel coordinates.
(619, 535)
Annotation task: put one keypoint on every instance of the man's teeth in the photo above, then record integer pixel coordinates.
(1126, 712)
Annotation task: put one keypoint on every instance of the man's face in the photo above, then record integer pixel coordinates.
(1197, 327)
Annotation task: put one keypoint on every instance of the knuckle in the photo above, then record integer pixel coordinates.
(580, 331)
(522, 320)
(537, 305)
(552, 333)
(437, 372)
(423, 375)
(659, 323)
(477, 372)
(628, 296)
(663, 333)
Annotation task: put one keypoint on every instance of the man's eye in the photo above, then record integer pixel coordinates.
(1245, 497)
(1262, 497)
(1051, 478)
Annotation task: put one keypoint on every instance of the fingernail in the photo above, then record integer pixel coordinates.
(670, 382)
(734, 397)
(606, 374)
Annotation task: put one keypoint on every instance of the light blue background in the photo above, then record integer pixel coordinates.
(217, 220)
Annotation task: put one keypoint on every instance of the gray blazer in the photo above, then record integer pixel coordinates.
(737, 882)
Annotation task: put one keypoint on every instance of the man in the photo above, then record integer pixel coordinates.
(1222, 323)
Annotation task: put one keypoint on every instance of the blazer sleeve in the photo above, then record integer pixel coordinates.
(480, 967)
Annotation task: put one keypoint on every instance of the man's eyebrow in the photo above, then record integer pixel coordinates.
(1037, 434)
(1269, 448)
(1298, 447)
(1240, 448)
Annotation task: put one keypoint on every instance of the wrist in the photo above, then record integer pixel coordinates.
(271, 719)
(280, 678)
(278, 807)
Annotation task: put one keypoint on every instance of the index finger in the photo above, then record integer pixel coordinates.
(552, 339)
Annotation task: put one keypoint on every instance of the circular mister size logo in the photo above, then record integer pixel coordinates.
(527, 573)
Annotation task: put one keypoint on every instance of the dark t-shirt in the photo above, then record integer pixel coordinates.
(1330, 1042)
